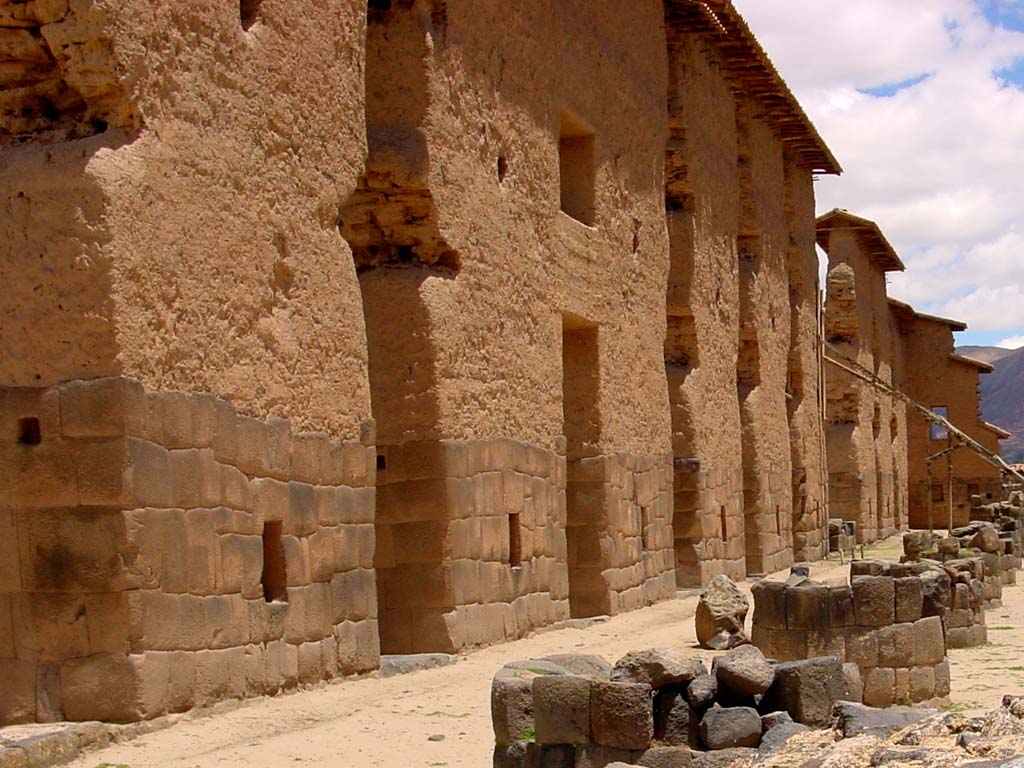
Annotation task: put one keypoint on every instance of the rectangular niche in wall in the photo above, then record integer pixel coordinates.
(576, 174)
(580, 386)
(275, 583)
(588, 592)
(515, 541)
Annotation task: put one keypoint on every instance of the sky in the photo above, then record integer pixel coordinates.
(922, 103)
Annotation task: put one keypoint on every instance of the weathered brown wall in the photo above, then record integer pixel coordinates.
(405, 236)
(804, 388)
(741, 351)
(467, 138)
(762, 249)
(143, 528)
(703, 306)
(173, 227)
(204, 236)
(933, 378)
(865, 456)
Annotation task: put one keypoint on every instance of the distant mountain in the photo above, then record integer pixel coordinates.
(1002, 395)
(985, 354)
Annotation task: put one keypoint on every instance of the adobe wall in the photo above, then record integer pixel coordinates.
(504, 318)
(805, 388)
(865, 444)
(935, 379)
(889, 627)
(899, 425)
(189, 247)
(168, 553)
(742, 306)
(703, 307)
(255, 249)
(764, 339)
(181, 313)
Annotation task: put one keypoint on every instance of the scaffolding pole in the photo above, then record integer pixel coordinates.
(856, 369)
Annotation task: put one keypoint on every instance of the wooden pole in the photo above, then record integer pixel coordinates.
(931, 526)
(949, 484)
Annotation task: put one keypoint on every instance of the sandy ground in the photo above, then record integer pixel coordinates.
(389, 722)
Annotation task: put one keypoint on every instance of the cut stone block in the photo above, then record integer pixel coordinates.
(929, 643)
(512, 709)
(880, 687)
(874, 600)
(621, 714)
(840, 608)
(769, 604)
(702, 692)
(909, 598)
(807, 689)
(675, 720)
(725, 728)
(561, 709)
(807, 607)
(854, 682)
(657, 667)
(743, 672)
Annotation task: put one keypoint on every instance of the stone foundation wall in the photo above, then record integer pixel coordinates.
(619, 533)
(708, 544)
(170, 553)
(884, 625)
(471, 545)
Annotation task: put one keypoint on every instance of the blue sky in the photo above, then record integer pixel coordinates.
(923, 104)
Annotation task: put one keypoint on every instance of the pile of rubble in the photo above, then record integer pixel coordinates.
(908, 738)
(658, 709)
(980, 559)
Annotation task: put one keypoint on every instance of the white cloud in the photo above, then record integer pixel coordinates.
(937, 164)
(1014, 342)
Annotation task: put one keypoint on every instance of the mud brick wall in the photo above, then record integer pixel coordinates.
(619, 533)
(882, 624)
(470, 543)
(170, 553)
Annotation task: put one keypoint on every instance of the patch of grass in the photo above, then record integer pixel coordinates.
(439, 713)
(527, 735)
(1003, 627)
(1016, 669)
(961, 706)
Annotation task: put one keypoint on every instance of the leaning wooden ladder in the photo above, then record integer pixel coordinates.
(958, 438)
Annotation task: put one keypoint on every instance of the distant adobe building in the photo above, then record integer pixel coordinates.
(387, 326)
(878, 449)
(866, 429)
(948, 383)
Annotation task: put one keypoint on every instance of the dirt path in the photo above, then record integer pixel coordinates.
(388, 722)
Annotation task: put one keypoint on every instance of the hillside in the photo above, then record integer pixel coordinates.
(985, 354)
(1002, 393)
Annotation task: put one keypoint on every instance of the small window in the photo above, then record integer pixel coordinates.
(274, 579)
(939, 432)
(249, 11)
(29, 432)
(576, 168)
(502, 168)
(938, 493)
(515, 541)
